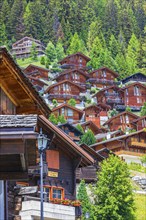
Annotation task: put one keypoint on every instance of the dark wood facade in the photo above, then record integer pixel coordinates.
(69, 112)
(22, 48)
(72, 131)
(121, 121)
(139, 124)
(137, 77)
(36, 71)
(77, 60)
(95, 114)
(76, 76)
(135, 95)
(134, 144)
(64, 91)
(92, 126)
(112, 96)
(103, 77)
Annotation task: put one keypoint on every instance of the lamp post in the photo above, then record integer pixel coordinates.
(42, 145)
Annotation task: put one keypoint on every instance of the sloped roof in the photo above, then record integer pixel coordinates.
(59, 134)
(139, 119)
(131, 76)
(78, 53)
(117, 138)
(134, 84)
(64, 81)
(102, 68)
(122, 113)
(68, 106)
(70, 71)
(109, 87)
(18, 87)
(36, 67)
(26, 38)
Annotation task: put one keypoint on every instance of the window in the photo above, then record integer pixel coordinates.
(57, 193)
(127, 119)
(62, 111)
(104, 73)
(136, 91)
(69, 112)
(121, 119)
(138, 100)
(126, 91)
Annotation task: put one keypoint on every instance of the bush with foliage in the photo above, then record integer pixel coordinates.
(79, 127)
(85, 201)
(72, 102)
(113, 191)
(55, 103)
(88, 138)
(143, 110)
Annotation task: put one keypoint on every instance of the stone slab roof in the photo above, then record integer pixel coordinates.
(7, 121)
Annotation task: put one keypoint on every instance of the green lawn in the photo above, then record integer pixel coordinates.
(25, 62)
(140, 203)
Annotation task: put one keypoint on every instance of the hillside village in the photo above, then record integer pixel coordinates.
(65, 105)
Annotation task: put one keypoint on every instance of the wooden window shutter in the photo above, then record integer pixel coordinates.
(52, 158)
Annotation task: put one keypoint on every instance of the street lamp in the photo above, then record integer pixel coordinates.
(42, 145)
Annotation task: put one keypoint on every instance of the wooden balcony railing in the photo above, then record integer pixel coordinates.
(115, 101)
(102, 81)
(63, 96)
(137, 144)
(111, 94)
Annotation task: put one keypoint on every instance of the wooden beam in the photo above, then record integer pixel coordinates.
(23, 162)
(14, 176)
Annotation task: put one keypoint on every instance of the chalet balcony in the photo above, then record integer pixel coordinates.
(111, 94)
(123, 107)
(137, 144)
(63, 96)
(102, 81)
(115, 101)
(31, 210)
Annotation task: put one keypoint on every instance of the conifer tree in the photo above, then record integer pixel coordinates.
(88, 138)
(79, 127)
(143, 110)
(85, 201)
(33, 52)
(76, 45)
(132, 55)
(50, 53)
(59, 51)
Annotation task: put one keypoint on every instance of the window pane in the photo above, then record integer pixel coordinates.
(57, 193)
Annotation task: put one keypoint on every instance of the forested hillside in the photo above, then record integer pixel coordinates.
(111, 32)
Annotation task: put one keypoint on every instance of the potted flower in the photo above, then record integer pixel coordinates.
(76, 203)
(66, 202)
(56, 201)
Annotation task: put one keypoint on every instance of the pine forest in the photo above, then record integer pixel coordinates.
(111, 32)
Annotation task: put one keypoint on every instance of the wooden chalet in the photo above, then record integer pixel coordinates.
(102, 77)
(139, 124)
(112, 96)
(121, 121)
(64, 90)
(72, 131)
(132, 144)
(135, 95)
(96, 114)
(77, 60)
(106, 135)
(39, 84)
(75, 75)
(137, 77)
(20, 105)
(36, 71)
(22, 47)
(70, 113)
(92, 126)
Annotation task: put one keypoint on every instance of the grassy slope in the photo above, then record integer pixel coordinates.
(140, 203)
(25, 62)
